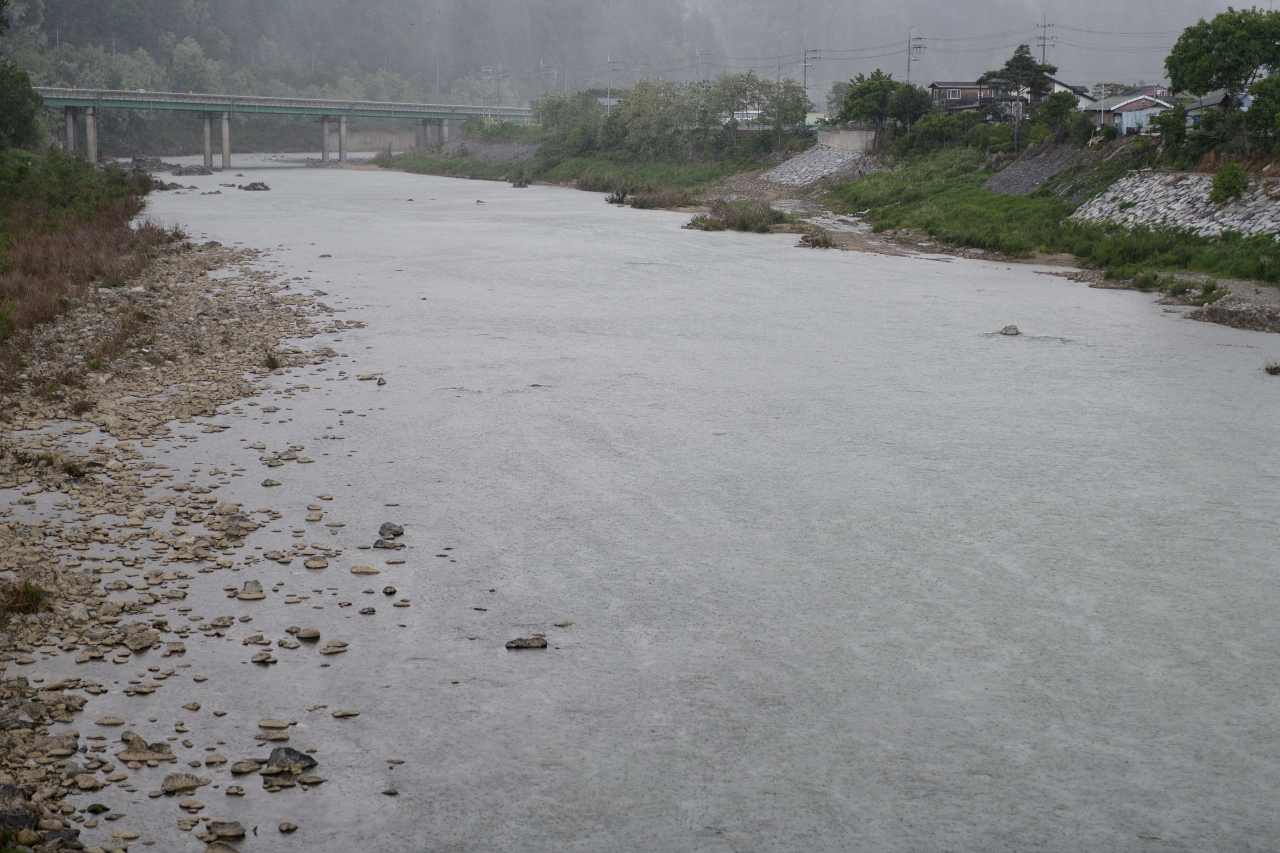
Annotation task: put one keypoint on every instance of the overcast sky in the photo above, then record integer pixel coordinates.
(1091, 41)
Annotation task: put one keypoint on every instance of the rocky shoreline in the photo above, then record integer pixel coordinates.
(131, 368)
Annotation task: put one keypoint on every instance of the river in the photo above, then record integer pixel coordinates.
(845, 569)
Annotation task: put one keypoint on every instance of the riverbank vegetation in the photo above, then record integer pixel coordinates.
(659, 137)
(942, 194)
(65, 228)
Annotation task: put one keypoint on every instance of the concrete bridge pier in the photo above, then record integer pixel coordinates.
(91, 135)
(71, 113)
(226, 140)
(435, 131)
(342, 139)
(324, 137)
(208, 140)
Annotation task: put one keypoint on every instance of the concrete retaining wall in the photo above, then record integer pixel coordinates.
(855, 139)
(1182, 200)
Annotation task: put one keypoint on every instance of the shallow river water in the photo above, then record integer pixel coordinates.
(845, 570)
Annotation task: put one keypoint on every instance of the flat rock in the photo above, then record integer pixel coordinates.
(346, 712)
(110, 721)
(248, 765)
(227, 829)
(178, 782)
(364, 570)
(252, 591)
(272, 723)
(528, 643)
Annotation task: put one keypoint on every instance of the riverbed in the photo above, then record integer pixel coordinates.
(845, 569)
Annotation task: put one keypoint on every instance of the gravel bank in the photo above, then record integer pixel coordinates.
(80, 438)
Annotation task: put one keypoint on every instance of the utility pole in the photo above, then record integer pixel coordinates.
(1044, 38)
(810, 58)
(609, 91)
(915, 47)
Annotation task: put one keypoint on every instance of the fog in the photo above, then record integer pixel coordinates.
(450, 48)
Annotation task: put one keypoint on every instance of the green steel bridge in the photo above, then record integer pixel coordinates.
(435, 118)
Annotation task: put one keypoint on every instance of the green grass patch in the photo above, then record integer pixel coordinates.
(756, 216)
(943, 196)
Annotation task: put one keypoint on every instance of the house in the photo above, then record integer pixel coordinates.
(1083, 97)
(1219, 100)
(968, 96)
(960, 96)
(1128, 113)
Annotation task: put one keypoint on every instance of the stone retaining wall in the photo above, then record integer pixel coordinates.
(1182, 200)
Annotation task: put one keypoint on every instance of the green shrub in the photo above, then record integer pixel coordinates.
(1109, 133)
(1230, 181)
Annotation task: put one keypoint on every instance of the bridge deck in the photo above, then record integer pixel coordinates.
(192, 102)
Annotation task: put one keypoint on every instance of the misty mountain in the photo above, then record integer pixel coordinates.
(471, 49)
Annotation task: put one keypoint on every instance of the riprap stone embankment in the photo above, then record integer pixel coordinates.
(1182, 200)
(820, 162)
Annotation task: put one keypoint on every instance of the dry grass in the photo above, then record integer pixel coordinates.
(662, 200)
(23, 597)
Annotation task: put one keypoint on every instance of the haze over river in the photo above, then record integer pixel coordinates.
(845, 569)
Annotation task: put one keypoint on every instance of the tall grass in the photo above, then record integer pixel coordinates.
(64, 227)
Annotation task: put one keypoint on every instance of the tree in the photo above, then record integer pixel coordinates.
(1055, 113)
(18, 106)
(868, 98)
(4, 16)
(1230, 52)
(654, 113)
(1025, 78)
(788, 104)
(1263, 118)
(1022, 75)
(909, 103)
(835, 98)
(1172, 125)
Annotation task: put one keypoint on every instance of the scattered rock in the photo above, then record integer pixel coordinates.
(285, 759)
(252, 591)
(226, 829)
(390, 531)
(288, 827)
(1010, 330)
(364, 570)
(528, 643)
(343, 714)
